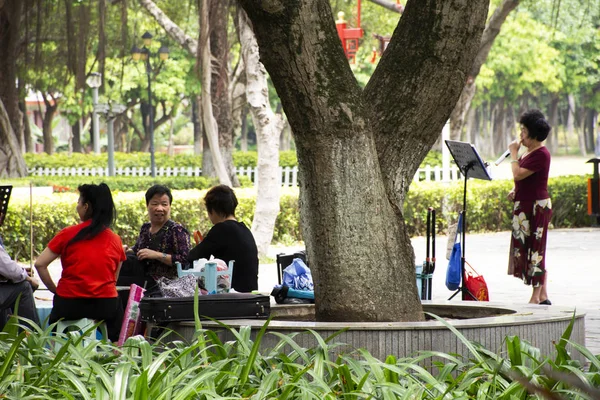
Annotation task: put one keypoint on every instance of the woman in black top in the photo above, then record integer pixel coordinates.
(229, 239)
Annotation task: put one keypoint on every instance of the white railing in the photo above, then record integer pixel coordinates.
(436, 174)
(289, 175)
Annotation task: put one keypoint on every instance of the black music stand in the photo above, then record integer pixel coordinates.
(5, 192)
(471, 166)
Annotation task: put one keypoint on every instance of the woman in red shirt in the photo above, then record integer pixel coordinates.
(532, 209)
(91, 256)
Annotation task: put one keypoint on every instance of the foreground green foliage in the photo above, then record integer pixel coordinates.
(489, 210)
(207, 368)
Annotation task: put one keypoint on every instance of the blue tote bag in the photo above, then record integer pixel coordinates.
(453, 273)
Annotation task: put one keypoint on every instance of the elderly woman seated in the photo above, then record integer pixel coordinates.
(229, 239)
(160, 244)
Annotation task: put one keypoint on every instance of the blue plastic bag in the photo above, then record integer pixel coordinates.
(297, 276)
(454, 271)
(454, 267)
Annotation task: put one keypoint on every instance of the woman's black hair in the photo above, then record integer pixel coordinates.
(221, 200)
(536, 124)
(158, 189)
(102, 209)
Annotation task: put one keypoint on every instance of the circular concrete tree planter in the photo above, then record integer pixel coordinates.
(484, 323)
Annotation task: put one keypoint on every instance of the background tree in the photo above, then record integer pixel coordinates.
(11, 159)
(492, 29)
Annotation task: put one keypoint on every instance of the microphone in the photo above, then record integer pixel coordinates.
(502, 157)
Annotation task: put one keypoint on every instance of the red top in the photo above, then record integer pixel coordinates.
(535, 186)
(89, 267)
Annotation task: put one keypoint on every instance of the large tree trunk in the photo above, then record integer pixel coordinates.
(358, 151)
(210, 124)
(492, 29)
(268, 129)
(12, 164)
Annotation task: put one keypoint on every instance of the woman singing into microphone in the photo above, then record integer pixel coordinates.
(533, 208)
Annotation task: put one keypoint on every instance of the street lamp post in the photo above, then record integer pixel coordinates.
(110, 112)
(144, 55)
(94, 81)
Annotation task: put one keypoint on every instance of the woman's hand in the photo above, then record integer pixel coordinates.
(514, 146)
(148, 254)
(511, 195)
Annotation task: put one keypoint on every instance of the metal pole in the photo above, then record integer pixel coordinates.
(151, 119)
(445, 153)
(111, 145)
(96, 122)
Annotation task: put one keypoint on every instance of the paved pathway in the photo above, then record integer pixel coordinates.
(573, 272)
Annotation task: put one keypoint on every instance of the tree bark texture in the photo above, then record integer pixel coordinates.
(101, 54)
(358, 150)
(268, 127)
(12, 164)
(237, 91)
(210, 124)
(27, 135)
(51, 108)
(492, 29)
(10, 15)
(174, 31)
(221, 100)
(197, 121)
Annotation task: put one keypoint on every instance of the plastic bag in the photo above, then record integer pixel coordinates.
(454, 271)
(476, 285)
(453, 277)
(179, 287)
(297, 276)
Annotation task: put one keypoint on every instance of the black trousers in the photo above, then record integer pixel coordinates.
(9, 293)
(108, 310)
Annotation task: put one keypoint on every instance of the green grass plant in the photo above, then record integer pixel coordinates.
(208, 368)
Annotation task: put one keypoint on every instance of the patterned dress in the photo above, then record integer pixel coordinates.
(531, 217)
(171, 239)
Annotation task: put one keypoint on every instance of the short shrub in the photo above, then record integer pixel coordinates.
(487, 207)
(139, 159)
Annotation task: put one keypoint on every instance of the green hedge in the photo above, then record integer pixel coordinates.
(124, 160)
(487, 206)
(122, 183)
(51, 214)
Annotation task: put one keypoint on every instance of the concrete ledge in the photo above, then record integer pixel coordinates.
(542, 326)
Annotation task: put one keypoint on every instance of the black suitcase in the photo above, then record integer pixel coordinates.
(217, 306)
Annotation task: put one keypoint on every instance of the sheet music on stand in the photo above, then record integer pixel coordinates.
(464, 155)
(5, 192)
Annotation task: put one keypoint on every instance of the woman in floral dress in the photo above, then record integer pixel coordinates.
(533, 208)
